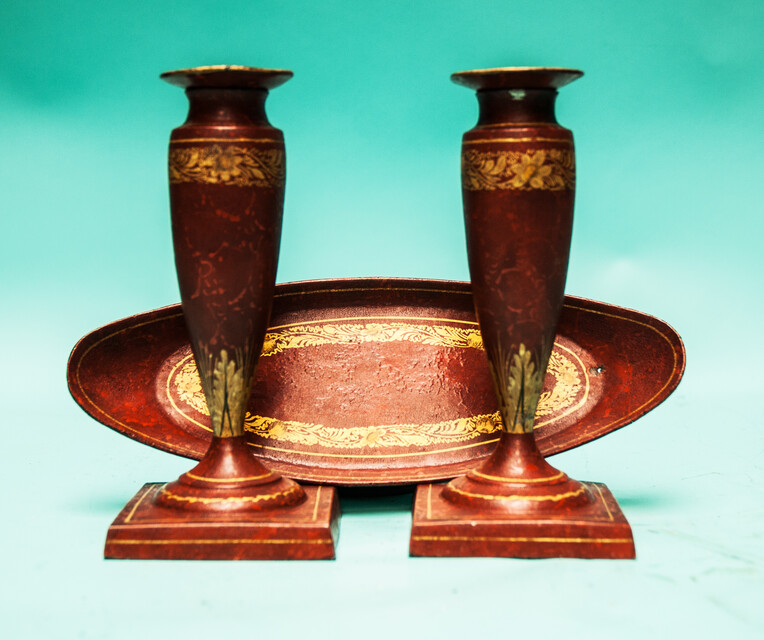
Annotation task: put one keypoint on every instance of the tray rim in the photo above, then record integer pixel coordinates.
(551, 443)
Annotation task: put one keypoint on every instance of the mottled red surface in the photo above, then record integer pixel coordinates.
(226, 236)
(599, 530)
(229, 480)
(518, 188)
(403, 376)
(118, 374)
(226, 171)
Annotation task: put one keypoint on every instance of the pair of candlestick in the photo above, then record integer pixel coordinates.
(227, 178)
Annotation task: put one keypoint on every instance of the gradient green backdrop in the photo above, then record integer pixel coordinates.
(669, 133)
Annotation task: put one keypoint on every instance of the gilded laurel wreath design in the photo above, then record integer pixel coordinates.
(544, 169)
(228, 165)
(567, 385)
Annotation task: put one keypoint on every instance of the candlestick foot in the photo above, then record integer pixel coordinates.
(596, 529)
(147, 530)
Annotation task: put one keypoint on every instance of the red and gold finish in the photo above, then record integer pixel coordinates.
(390, 373)
(227, 176)
(518, 184)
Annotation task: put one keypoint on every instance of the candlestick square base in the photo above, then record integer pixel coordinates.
(446, 530)
(145, 531)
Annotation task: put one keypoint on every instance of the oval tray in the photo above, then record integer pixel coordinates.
(376, 381)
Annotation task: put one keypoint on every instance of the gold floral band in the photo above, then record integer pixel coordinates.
(543, 169)
(313, 335)
(228, 165)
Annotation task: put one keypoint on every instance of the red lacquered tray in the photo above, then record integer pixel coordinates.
(376, 381)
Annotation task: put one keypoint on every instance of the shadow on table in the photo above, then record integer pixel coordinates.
(646, 500)
(99, 505)
(376, 499)
(352, 500)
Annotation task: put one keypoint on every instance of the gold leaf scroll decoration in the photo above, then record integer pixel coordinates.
(542, 169)
(228, 165)
(567, 385)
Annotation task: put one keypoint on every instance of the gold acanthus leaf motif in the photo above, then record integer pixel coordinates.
(543, 169)
(226, 391)
(518, 382)
(228, 165)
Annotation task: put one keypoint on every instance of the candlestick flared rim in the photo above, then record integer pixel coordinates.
(516, 78)
(227, 76)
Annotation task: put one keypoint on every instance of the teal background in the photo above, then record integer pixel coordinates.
(668, 126)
